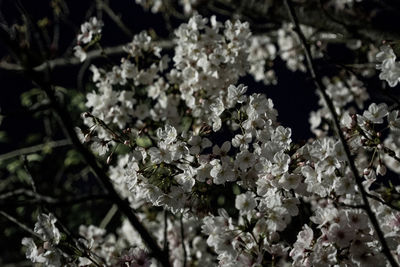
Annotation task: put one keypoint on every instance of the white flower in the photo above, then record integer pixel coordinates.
(168, 134)
(100, 146)
(80, 53)
(162, 153)
(313, 181)
(32, 251)
(186, 179)
(281, 163)
(278, 219)
(376, 113)
(344, 185)
(391, 75)
(386, 57)
(290, 181)
(45, 227)
(93, 26)
(245, 159)
(339, 234)
(394, 120)
(357, 219)
(242, 141)
(217, 107)
(282, 135)
(203, 172)
(390, 69)
(223, 151)
(236, 94)
(246, 202)
(323, 255)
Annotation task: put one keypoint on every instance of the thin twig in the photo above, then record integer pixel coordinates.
(20, 224)
(383, 202)
(115, 18)
(110, 214)
(319, 85)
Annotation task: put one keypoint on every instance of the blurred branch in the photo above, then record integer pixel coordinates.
(20, 224)
(33, 149)
(50, 200)
(101, 4)
(70, 61)
(110, 214)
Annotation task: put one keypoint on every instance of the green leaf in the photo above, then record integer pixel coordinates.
(236, 189)
(143, 141)
(186, 123)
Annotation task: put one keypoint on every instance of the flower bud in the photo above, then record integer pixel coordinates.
(381, 169)
(87, 137)
(86, 115)
(109, 158)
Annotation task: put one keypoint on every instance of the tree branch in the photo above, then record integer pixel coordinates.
(20, 224)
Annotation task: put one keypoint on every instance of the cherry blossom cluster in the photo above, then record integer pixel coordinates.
(47, 252)
(89, 30)
(193, 134)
